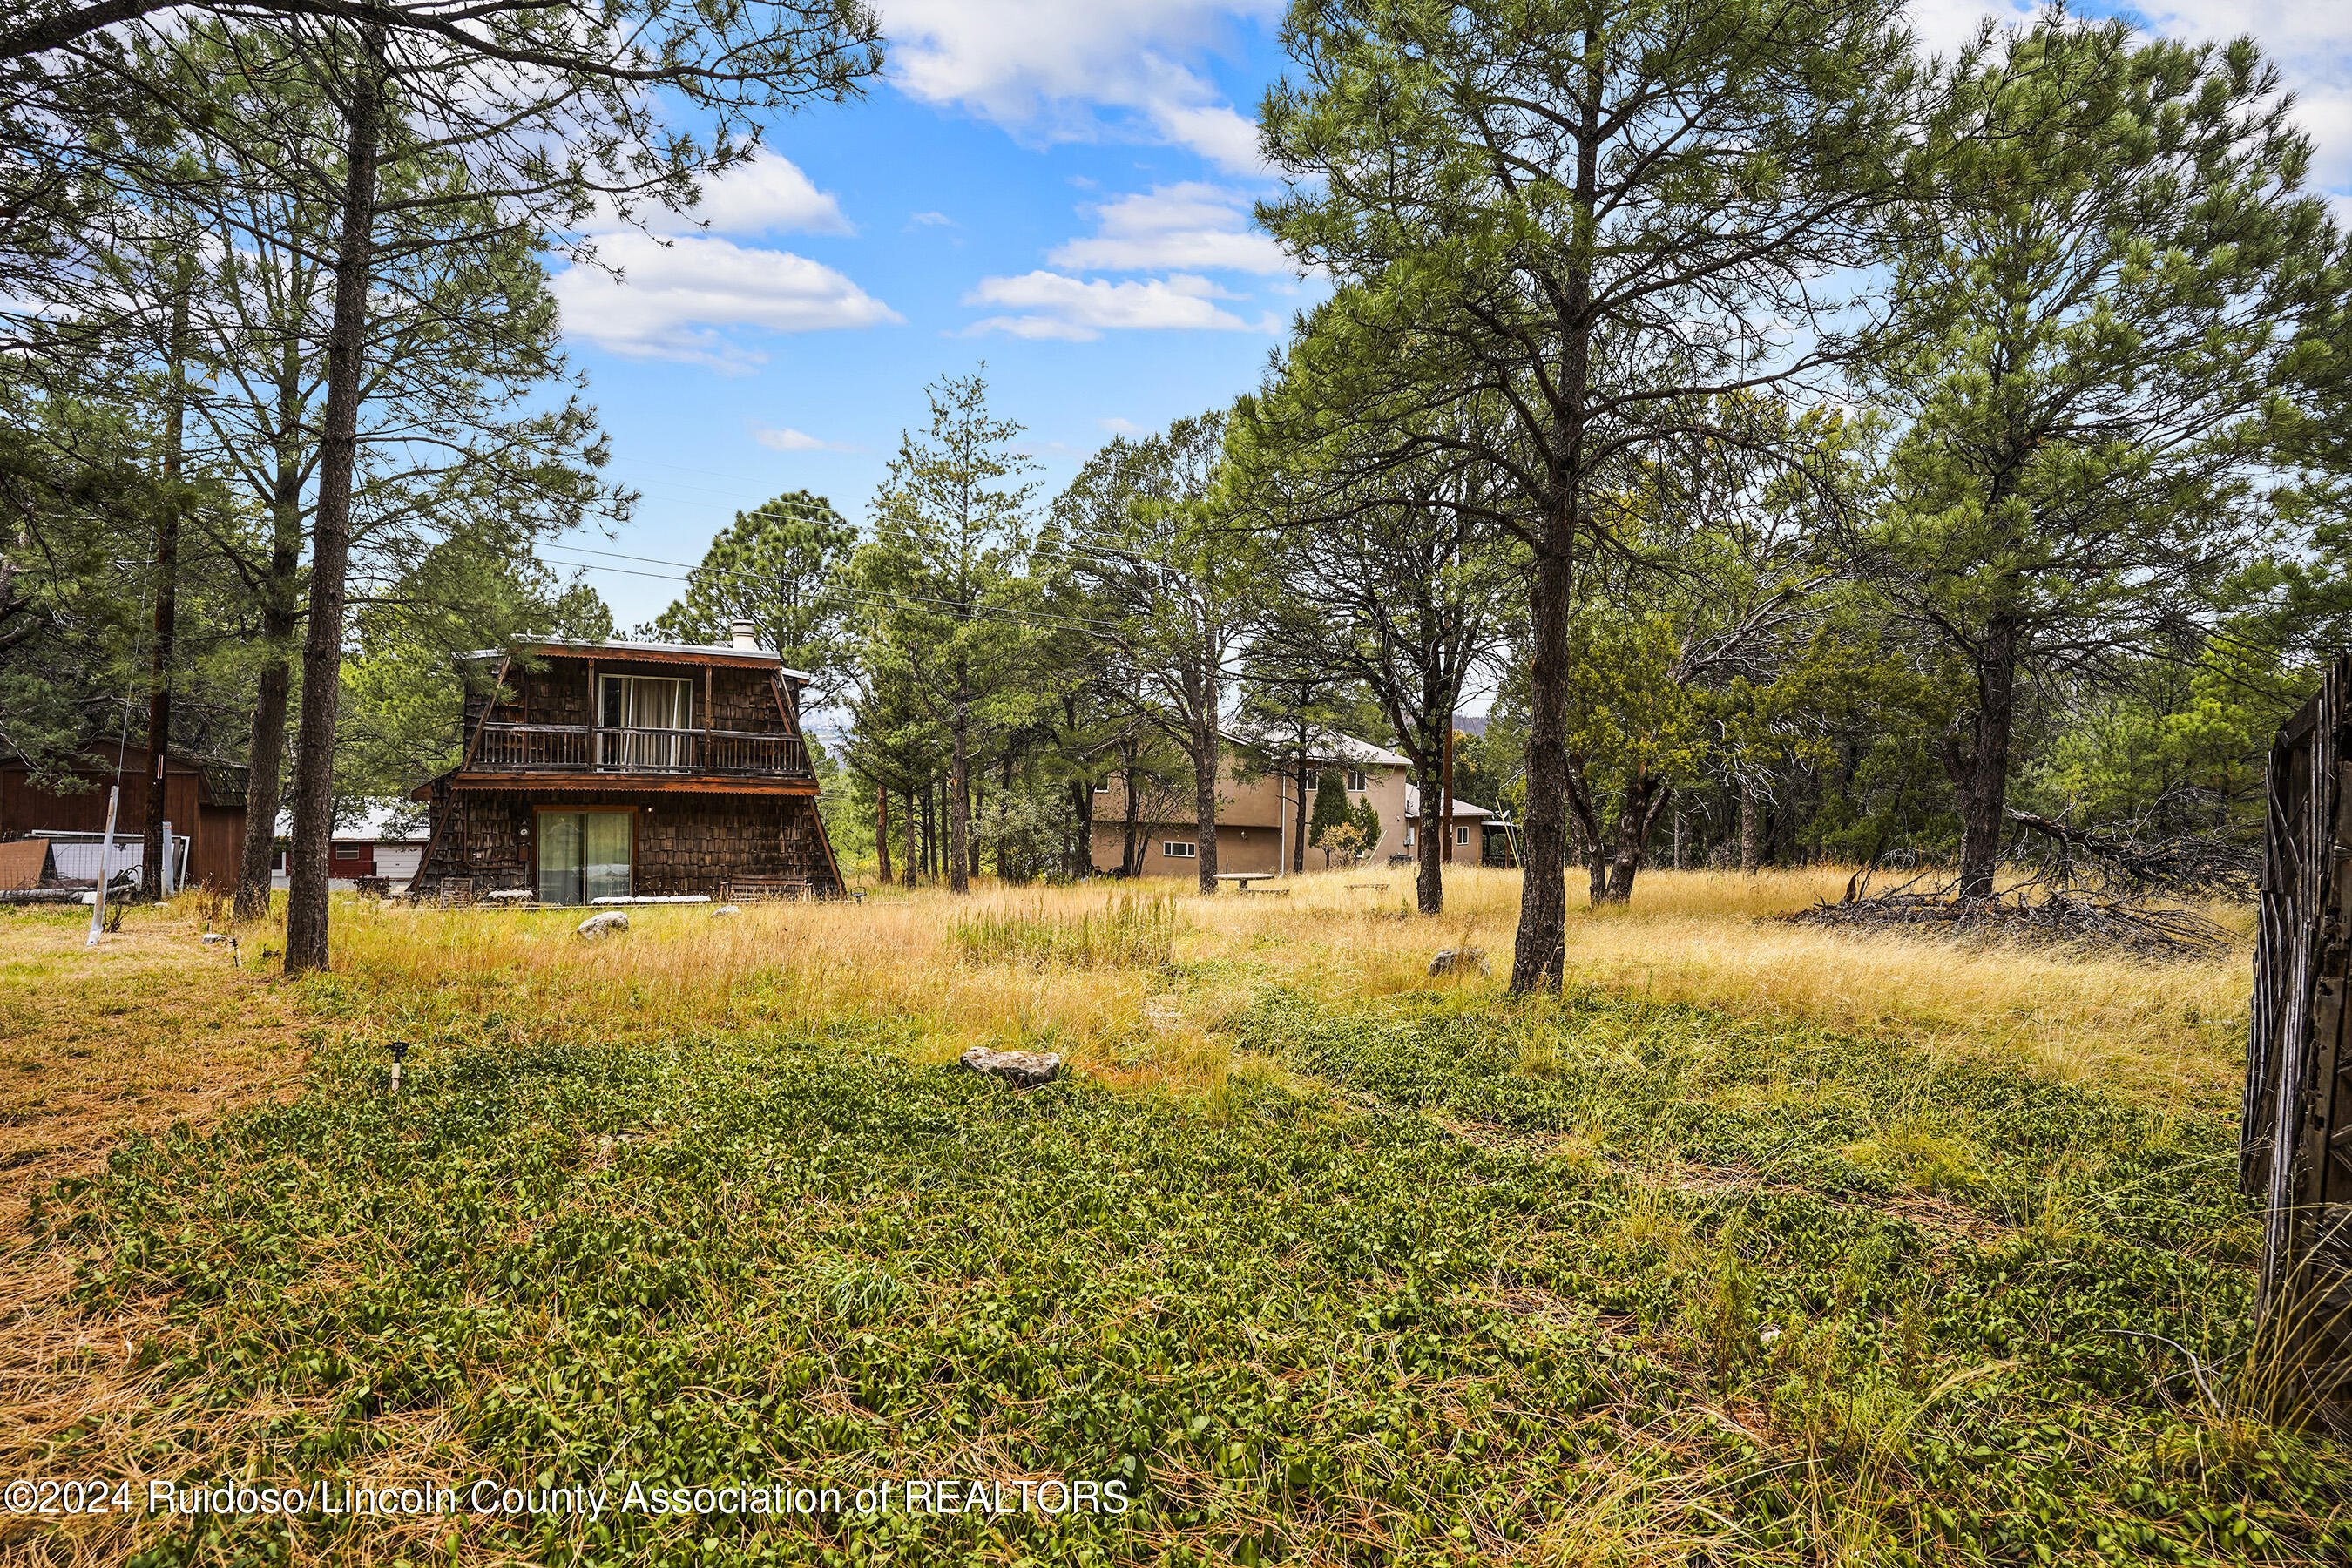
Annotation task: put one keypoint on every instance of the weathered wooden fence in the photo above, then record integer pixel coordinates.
(2296, 1144)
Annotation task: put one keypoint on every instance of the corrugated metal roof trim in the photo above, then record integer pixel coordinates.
(653, 653)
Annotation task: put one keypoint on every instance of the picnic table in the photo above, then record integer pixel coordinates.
(1242, 880)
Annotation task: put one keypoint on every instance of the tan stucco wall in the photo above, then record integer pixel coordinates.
(1254, 821)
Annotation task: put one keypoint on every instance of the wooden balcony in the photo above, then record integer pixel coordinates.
(592, 749)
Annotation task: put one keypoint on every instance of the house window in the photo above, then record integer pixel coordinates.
(1103, 788)
(347, 851)
(583, 856)
(1461, 836)
(1356, 781)
(652, 715)
(1408, 836)
(1177, 849)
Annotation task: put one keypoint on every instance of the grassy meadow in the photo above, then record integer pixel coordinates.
(1758, 1244)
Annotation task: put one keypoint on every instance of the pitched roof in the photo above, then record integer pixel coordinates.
(1330, 747)
(1463, 809)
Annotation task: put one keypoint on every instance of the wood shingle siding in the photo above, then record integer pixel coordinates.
(722, 793)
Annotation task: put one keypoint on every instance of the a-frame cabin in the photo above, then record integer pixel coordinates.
(627, 769)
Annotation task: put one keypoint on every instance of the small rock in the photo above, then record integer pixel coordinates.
(724, 910)
(595, 928)
(1022, 1069)
(213, 936)
(1454, 960)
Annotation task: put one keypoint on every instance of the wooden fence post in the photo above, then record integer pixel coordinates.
(2295, 1139)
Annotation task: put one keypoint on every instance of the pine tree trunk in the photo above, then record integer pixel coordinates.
(323, 642)
(1644, 804)
(1584, 828)
(882, 835)
(1540, 954)
(911, 854)
(1003, 841)
(167, 607)
(266, 752)
(1298, 839)
(266, 764)
(1981, 772)
(1130, 857)
(1445, 817)
(931, 827)
(1751, 849)
(959, 797)
(1205, 803)
(1429, 879)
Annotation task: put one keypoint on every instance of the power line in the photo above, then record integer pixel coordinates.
(989, 611)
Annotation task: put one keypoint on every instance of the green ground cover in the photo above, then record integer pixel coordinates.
(1435, 1280)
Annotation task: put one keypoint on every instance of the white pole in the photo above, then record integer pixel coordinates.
(105, 868)
(163, 873)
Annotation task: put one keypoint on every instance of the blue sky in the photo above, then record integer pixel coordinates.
(1059, 188)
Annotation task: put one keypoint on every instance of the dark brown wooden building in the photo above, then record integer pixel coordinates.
(631, 770)
(204, 800)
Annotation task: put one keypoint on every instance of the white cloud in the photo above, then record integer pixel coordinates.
(1081, 310)
(677, 297)
(1118, 426)
(768, 195)
(932, 220)
(1192, 226)
(787, 439)
(1050, 68)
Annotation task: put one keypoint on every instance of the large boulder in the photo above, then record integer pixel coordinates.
(1460, 961)
(1022, 1069)
(596, 927)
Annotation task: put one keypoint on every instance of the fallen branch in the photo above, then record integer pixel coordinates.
(2058, 916)
(2195, 865)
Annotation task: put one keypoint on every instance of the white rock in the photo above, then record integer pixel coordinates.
(595, 928)
(1022, 1069)
(724, 910)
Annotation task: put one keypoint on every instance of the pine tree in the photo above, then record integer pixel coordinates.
(1330, 811)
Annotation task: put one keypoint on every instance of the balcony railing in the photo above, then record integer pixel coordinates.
(591, 749)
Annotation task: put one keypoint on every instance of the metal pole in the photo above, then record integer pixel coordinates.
(105, 867)
(169, 883)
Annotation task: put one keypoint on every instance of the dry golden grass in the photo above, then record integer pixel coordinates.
(2166, 1029)
(152, 1027)
(148, 1029)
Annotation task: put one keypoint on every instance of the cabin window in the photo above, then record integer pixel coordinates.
(1103, 788)
(347, 851)
(583, 856)
(652, 715)
(1461, 836)
(1177, 849)
(1356, 780)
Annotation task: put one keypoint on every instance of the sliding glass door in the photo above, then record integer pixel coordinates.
(583, 856)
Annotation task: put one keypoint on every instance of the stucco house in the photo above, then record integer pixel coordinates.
(1258, 810)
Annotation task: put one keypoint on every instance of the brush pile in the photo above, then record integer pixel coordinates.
(2136, 924)
(2108, 887)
